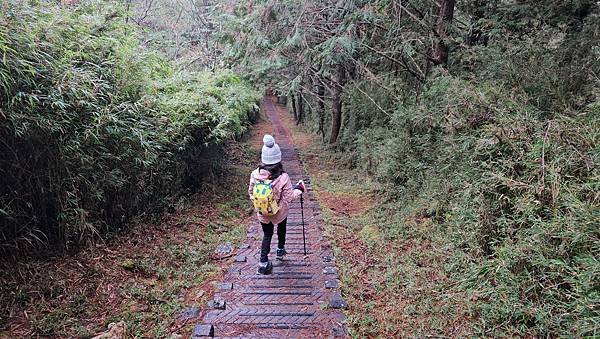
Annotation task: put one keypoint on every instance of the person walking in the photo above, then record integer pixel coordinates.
(271, 191)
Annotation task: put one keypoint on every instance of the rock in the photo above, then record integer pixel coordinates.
(224, 249)
(338, 332)
(217, 304)
(337, 301)
(175, 336)
(189, 313)
(331, 284)
(203, 331)
(115, 331)
(329, 270)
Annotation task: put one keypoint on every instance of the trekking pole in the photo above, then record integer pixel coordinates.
(302, 212)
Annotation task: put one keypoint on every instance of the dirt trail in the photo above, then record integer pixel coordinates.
(300, 299)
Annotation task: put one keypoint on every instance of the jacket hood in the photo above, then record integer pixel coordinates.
(263, 174)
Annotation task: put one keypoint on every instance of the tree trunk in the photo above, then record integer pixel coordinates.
(445, 15)
(336, 116)
(294, 108)
(128, 11)
(477, 36)
(321, 93)
(300, 109)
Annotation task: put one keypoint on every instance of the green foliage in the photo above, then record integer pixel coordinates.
(220, 102)
(498, 146)
(515, 196)
(182, 30)
(96, 130)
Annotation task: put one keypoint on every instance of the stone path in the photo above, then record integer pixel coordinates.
(300, 299)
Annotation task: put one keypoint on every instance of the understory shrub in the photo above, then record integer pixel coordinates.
(94, 129)
(514, 195)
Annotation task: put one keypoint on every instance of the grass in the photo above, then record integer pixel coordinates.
(143, 277)
(393, 267)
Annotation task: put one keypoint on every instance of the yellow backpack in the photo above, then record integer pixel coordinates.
(264, 199)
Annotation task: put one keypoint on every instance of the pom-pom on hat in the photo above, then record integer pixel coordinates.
(271, 154)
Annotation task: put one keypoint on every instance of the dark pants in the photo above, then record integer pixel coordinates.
(268, 235)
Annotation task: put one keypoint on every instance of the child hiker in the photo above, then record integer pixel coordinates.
(271, 191)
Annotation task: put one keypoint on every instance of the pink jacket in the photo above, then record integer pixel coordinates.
(283, 190)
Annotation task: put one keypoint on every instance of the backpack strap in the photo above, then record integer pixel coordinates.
(267, 181)
(262, 181)
(256, 179)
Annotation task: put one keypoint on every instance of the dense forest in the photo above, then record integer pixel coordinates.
(97, 129)
(483, 116)
(480, 116)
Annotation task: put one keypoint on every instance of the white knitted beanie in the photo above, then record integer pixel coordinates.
(271, 154)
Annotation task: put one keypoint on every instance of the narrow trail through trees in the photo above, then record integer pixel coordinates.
(300, 299)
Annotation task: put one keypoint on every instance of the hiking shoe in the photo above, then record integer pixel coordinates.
(265, 267)
(280, 253)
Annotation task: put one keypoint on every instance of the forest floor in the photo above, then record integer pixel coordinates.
(395, 284)
(143, 278)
